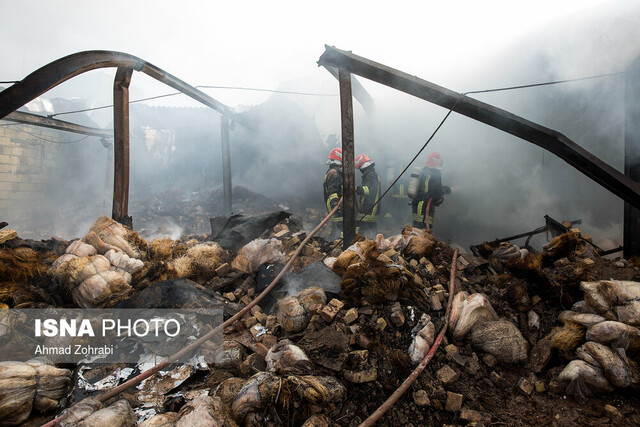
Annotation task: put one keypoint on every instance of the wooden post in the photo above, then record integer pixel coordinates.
(552, 141)
(121, 146)
(631, 233)
(348, 161)
(226, 163)
(108, 179)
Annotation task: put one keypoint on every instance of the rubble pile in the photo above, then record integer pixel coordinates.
(97, 270)
(609, 315)
(23, 271)
(158, 216)
(30, 386)
(344, 329)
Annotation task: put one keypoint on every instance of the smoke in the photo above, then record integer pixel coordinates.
(501, 185)
(167, 229)
(294, 286)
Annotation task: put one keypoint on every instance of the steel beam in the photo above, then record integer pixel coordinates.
(348, 161)
(550, 140)
(108, 179)
(631, 232)
(359, 92)
(120, 207)
(61, 70)
(226, 163)
(36, 120)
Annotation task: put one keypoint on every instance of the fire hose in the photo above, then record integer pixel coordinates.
(388, 404)
(146, 374)
(427, 220)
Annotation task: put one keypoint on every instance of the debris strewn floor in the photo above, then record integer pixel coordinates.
(549, 338)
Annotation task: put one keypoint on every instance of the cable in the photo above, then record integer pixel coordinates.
(388, 404)
(54, 141)
(111, 105)
(317, 94)
(179, 93)
(155, 369)
(10, 81)
(269, 90)
(545, 83)
(400, 175)
(445, 118)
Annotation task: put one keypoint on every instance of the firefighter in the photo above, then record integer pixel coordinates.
(430, 193)
(397, 207)
(369, 193)
(333, 190)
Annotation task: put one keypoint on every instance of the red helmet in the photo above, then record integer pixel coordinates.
(335, 157)
(434, 160)
(362, 161)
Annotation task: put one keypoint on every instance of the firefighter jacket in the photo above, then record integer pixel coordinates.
(399, 191)
(333, 190)
(430, 188)
(371, 194)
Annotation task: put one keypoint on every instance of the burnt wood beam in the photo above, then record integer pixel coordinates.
(548, 139)
(120, 208)
(46, 122)
(348, 161)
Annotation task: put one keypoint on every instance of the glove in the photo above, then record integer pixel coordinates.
(359, 191)
(446, 189)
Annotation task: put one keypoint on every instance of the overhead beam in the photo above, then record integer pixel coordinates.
(359, 92)
(36, 120)
(548, 139)
(61, 70)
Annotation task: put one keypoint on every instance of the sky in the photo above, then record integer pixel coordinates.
(267, 44)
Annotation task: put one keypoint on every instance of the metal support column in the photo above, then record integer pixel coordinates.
(46, 122)
(108, 179)
(631, 232)
(348, 161)
(226, 163)
(552, 141)
(121, 146)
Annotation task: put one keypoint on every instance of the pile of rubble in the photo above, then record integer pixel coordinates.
(341, 331)
(160, 214)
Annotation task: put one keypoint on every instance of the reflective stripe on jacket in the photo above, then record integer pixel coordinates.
(332, 188)
(371, 185)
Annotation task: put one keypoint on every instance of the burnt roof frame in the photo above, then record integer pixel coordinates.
(548, 139)
(63, 69)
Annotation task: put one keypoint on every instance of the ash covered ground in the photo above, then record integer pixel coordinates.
(540, 338)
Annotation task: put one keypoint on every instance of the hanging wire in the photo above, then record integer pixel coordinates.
(111, 105)
(545, 83)
(401, 173)
(200, 86)
(268, 90)
(451, 110)
(52, 140)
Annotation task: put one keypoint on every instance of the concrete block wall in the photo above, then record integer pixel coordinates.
(28, 163)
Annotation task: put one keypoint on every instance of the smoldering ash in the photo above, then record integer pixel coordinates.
(121, 328)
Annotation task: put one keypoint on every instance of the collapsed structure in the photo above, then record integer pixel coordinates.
(344, 327)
